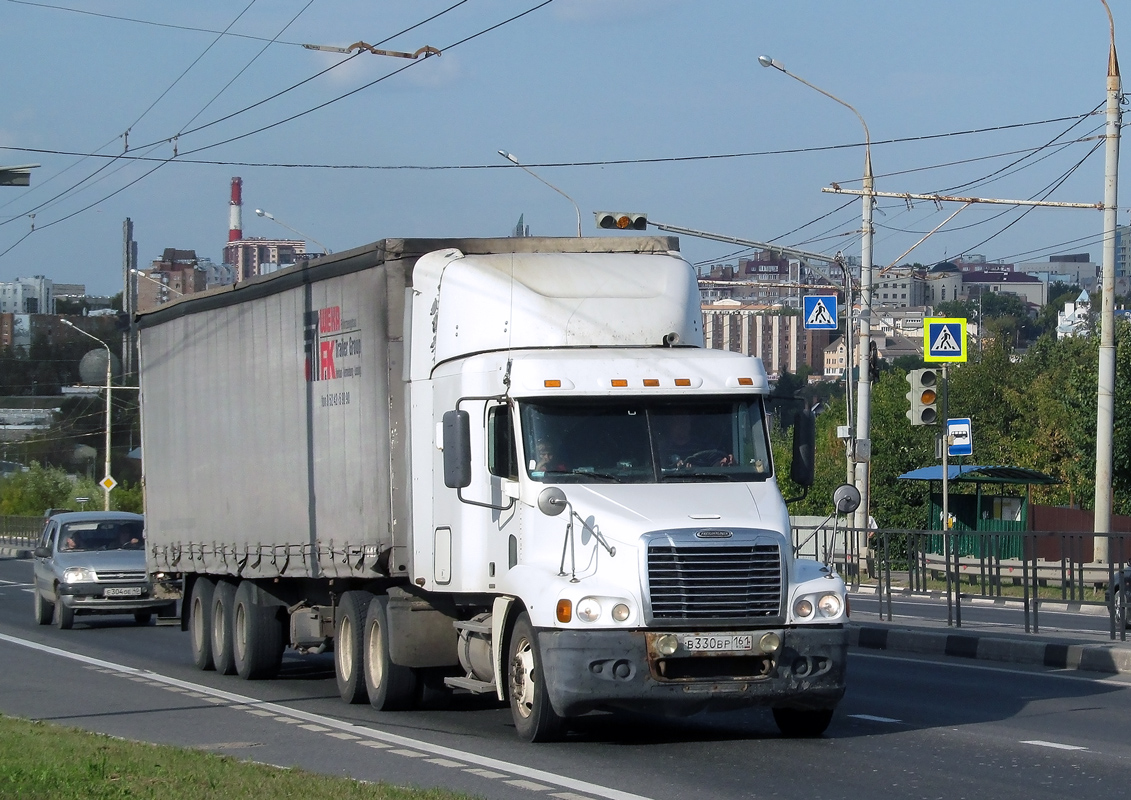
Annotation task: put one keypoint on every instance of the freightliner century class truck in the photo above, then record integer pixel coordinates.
(503, 466)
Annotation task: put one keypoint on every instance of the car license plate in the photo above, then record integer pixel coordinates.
(718, 642)
(122, 591)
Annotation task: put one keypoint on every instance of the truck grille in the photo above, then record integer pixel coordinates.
(701, 582)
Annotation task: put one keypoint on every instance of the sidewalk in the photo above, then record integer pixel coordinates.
(1052, 647)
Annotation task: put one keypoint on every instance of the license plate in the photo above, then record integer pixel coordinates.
(122, 591)
(710, 643)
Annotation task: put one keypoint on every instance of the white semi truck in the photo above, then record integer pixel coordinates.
(493, 465)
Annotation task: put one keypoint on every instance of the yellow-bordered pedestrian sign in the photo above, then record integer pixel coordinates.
(944, 339)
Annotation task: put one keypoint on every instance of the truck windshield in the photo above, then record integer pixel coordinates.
(645, 441)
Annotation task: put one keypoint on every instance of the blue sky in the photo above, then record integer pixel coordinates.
(574, 81)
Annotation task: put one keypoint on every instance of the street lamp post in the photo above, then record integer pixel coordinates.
(261, 213)
(863, 447)
(162, 284)
(106, 478)
(514, 160)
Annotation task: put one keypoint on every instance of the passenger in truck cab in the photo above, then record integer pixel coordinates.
(680, 449)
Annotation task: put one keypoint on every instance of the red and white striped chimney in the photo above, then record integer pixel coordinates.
(235, 213)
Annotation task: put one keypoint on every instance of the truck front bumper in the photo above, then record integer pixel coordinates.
(594, 669)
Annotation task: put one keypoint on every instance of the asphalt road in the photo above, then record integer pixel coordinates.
(908, 728)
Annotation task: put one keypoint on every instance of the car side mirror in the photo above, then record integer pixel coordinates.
(42, 552)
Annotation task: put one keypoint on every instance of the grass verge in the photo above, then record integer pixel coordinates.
(47, 762)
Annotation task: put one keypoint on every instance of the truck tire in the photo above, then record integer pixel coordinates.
(257, 635)
(200, 623)
(390, 686)
(534, 718)
(223, 600)
(799, 723)
(349, 646)
(64, 616)
(44, 611)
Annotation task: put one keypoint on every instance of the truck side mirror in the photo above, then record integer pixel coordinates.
(42, 552)
(802, 470)
(846, 499)
(457, 449)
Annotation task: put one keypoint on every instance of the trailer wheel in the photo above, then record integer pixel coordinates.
(200, 623)
(223, 599)
(64, 616)
(349, 646)
(534, 718)
(257, 636)
(799, 723)
(390, 686)
(44, 611)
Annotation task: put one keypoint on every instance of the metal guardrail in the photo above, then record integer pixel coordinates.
(20, 531)
(1033, 567)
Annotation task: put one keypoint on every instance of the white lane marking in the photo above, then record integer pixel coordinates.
(374, 745)
(409, 753)
(531, 785)
(445, 762)
(343, 736)
(570, 796)
(510, 767)
(1054, 745)
(486, 773)
(16, 584)
(1049, 672)
(316, 728)
(259, 712)
(870, 718)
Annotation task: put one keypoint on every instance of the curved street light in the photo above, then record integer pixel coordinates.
(106, 477)
(863, 449)
(514, 160)
(261, 213)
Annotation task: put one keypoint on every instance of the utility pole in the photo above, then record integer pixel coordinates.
(129, 293)
(1105, 400)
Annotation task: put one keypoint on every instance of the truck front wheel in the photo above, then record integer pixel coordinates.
(799, 723)
(534, 718)
(223, 598)
(390, 686)
(349, 646)
(200, 623)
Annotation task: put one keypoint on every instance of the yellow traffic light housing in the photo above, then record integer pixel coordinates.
(621, 220)
(923, 397)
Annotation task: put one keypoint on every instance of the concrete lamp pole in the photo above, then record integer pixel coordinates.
(261, 213)
(514, 160)
(863, 448)
(1105, 395)
(109, 366)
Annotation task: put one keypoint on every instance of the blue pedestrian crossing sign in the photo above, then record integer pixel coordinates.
(944, 339)
(819, 312)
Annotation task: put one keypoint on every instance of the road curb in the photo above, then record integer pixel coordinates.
(1112, 658)
(7, 551)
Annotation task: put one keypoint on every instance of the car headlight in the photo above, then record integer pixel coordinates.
(79, 575)
(830, 605)
(621, 612)
(803, 608)
(588, 609)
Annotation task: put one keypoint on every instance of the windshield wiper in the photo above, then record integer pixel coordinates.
(586, 472)
(708, 476)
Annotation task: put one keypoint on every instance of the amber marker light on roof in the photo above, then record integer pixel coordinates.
(552, 384)
(619, 382)
(745, 381)
(651, 381)
(683, 381)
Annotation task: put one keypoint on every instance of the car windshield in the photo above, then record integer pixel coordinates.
(649, 440)
(102, 535)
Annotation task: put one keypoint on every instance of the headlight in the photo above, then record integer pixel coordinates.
(830, 605)
(803, 608)
(588, 609)
(78, 575)
(667, 644)
(621, 612)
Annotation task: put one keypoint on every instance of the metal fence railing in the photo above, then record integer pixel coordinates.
(1032, 567)
(20, 531)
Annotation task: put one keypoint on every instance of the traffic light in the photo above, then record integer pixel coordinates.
(923, 397)
(623, 220)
